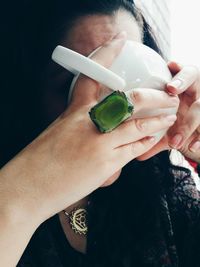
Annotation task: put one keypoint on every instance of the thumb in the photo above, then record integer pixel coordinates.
(86, 90)
(174, 67)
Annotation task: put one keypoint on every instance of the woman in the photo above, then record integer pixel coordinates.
(140, 220)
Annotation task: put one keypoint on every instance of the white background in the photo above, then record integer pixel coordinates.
(185, 31)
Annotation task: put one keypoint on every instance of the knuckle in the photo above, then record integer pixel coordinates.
(187, 131)
(141, 125)
(132, 148)
(137, 97)
(163, 118)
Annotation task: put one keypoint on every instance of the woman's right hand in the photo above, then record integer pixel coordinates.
(71, 158)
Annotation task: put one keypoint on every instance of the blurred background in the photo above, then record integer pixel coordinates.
(176, 25)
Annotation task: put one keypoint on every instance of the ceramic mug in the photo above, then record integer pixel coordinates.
(136, 66)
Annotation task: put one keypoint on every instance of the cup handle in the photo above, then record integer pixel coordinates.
(77, 63)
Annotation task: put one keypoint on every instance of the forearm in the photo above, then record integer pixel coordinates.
(17, 222)
(14, 237)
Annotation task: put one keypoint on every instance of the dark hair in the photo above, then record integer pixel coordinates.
(30, 36)
(129, 209)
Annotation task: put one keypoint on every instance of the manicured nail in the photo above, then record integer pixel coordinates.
(195, 147)
(176, 141)
(176, 84)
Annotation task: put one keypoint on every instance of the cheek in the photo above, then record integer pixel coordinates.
(112, 179)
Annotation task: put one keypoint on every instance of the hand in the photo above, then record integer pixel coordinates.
(185, 133)
(71, 158)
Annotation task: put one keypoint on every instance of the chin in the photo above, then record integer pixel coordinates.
(112, 179)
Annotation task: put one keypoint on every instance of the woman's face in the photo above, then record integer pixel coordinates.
(92, 31)
(86, 35)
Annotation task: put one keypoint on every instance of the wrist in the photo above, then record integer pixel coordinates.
(15, 204)
(15, 213)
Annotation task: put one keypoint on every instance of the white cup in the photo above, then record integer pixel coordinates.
(137, 66)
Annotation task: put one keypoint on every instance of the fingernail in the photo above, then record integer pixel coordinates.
(176, 84)
(176, 141)
(122, 35)
(195, 147)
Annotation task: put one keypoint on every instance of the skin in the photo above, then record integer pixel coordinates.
(49, 174)
(185, 134)
(87, 34)
(60, 166)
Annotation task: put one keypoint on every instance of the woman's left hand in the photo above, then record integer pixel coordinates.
(184, 135)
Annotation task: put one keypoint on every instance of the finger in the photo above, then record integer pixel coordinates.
(151, 99)
(109, 51)
(186, 148)
(184, 80)
(111, 179)
(162, 145)
(86, 90)
(195, 144)
(126, 153)
(180, 133)
(174, 67)
(136, 129)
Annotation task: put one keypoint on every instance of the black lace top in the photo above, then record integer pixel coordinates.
(173, 240)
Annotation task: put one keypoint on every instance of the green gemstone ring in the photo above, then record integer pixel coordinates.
(111, 111)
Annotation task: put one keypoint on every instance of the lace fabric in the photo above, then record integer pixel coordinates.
(172, 242)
